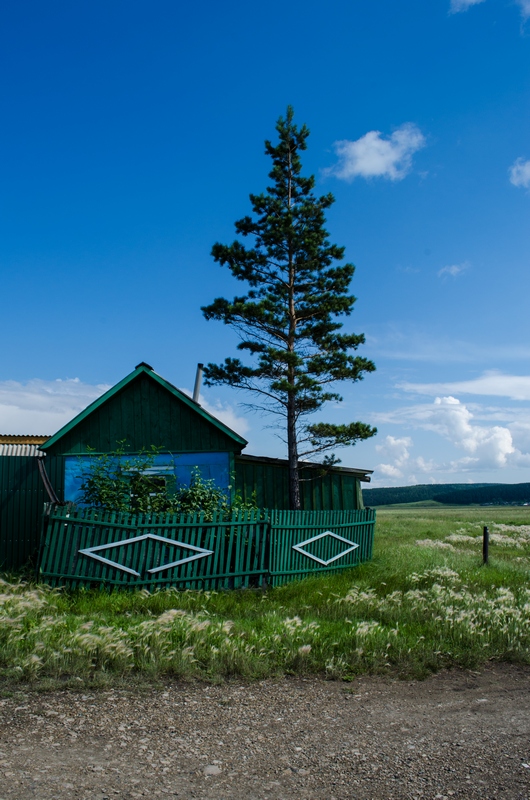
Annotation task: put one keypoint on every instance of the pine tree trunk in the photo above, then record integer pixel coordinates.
(292, 448)
(292, 438)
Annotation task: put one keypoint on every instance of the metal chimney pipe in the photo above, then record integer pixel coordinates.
(198, 381)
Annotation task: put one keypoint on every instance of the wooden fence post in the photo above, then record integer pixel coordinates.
(485, 544)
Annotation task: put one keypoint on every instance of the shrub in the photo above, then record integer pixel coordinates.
(117, 483)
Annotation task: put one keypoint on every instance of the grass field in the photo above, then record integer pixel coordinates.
(423, 603)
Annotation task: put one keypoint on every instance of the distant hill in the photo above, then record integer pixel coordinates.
(450, 493)
(495, 494)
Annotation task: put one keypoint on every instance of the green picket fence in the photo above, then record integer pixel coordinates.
(89, 547)
(305, 542)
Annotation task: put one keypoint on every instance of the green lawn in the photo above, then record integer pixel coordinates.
(424, 602)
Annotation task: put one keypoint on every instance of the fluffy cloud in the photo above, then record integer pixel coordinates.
(398, 459)
(462, 5)
(453, 270)
(492, 383)
(373, 156)
(225, 413)
(485, 446)
(42, 407)
(520, 170)
(488, 446)
(520, 431)
(395, 451)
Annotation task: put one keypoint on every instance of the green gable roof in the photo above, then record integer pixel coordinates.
(144, 409)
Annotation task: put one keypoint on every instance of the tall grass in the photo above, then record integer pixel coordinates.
(424, 602)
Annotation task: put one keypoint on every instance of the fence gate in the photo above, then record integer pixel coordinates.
(91, 547)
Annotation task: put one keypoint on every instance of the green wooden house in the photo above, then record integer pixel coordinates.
(141, 411)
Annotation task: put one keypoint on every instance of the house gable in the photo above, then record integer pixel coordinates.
(144, 410)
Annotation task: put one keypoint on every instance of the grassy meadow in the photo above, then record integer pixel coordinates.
(424, 602)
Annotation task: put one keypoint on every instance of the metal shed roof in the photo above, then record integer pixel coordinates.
(20, 450)
(361, 474)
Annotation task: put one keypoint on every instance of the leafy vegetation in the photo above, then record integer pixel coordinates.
(119, 482)
(423, 603)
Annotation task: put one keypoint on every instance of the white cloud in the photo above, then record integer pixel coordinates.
(226, 414)
(223, 412)
(486, 446)
(373, 156)
(397, 453)
(42, 407)
(520, 170)
(492, 383)
(453, 270)
(412, 343)
(397, 449)
(521, 435)
(462, 5)
(388, 471)
(524, 5)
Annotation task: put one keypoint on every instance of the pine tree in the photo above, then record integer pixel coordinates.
(287, 320)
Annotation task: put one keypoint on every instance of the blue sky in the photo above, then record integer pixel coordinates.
(132, 135)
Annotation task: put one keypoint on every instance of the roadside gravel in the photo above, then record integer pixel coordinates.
(456, 735)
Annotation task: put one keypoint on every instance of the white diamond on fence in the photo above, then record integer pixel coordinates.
(298, 547)
(200, 552)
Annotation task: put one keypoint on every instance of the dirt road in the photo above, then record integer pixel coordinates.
(456, 735)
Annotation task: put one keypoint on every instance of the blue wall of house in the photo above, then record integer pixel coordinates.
(212, 466)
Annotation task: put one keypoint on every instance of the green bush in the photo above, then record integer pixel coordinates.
(115, 483)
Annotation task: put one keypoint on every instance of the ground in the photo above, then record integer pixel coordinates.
(457, 734)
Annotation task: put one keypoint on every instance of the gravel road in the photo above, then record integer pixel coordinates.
(456, 735)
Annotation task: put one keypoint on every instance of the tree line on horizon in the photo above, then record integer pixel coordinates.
(450, 494)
